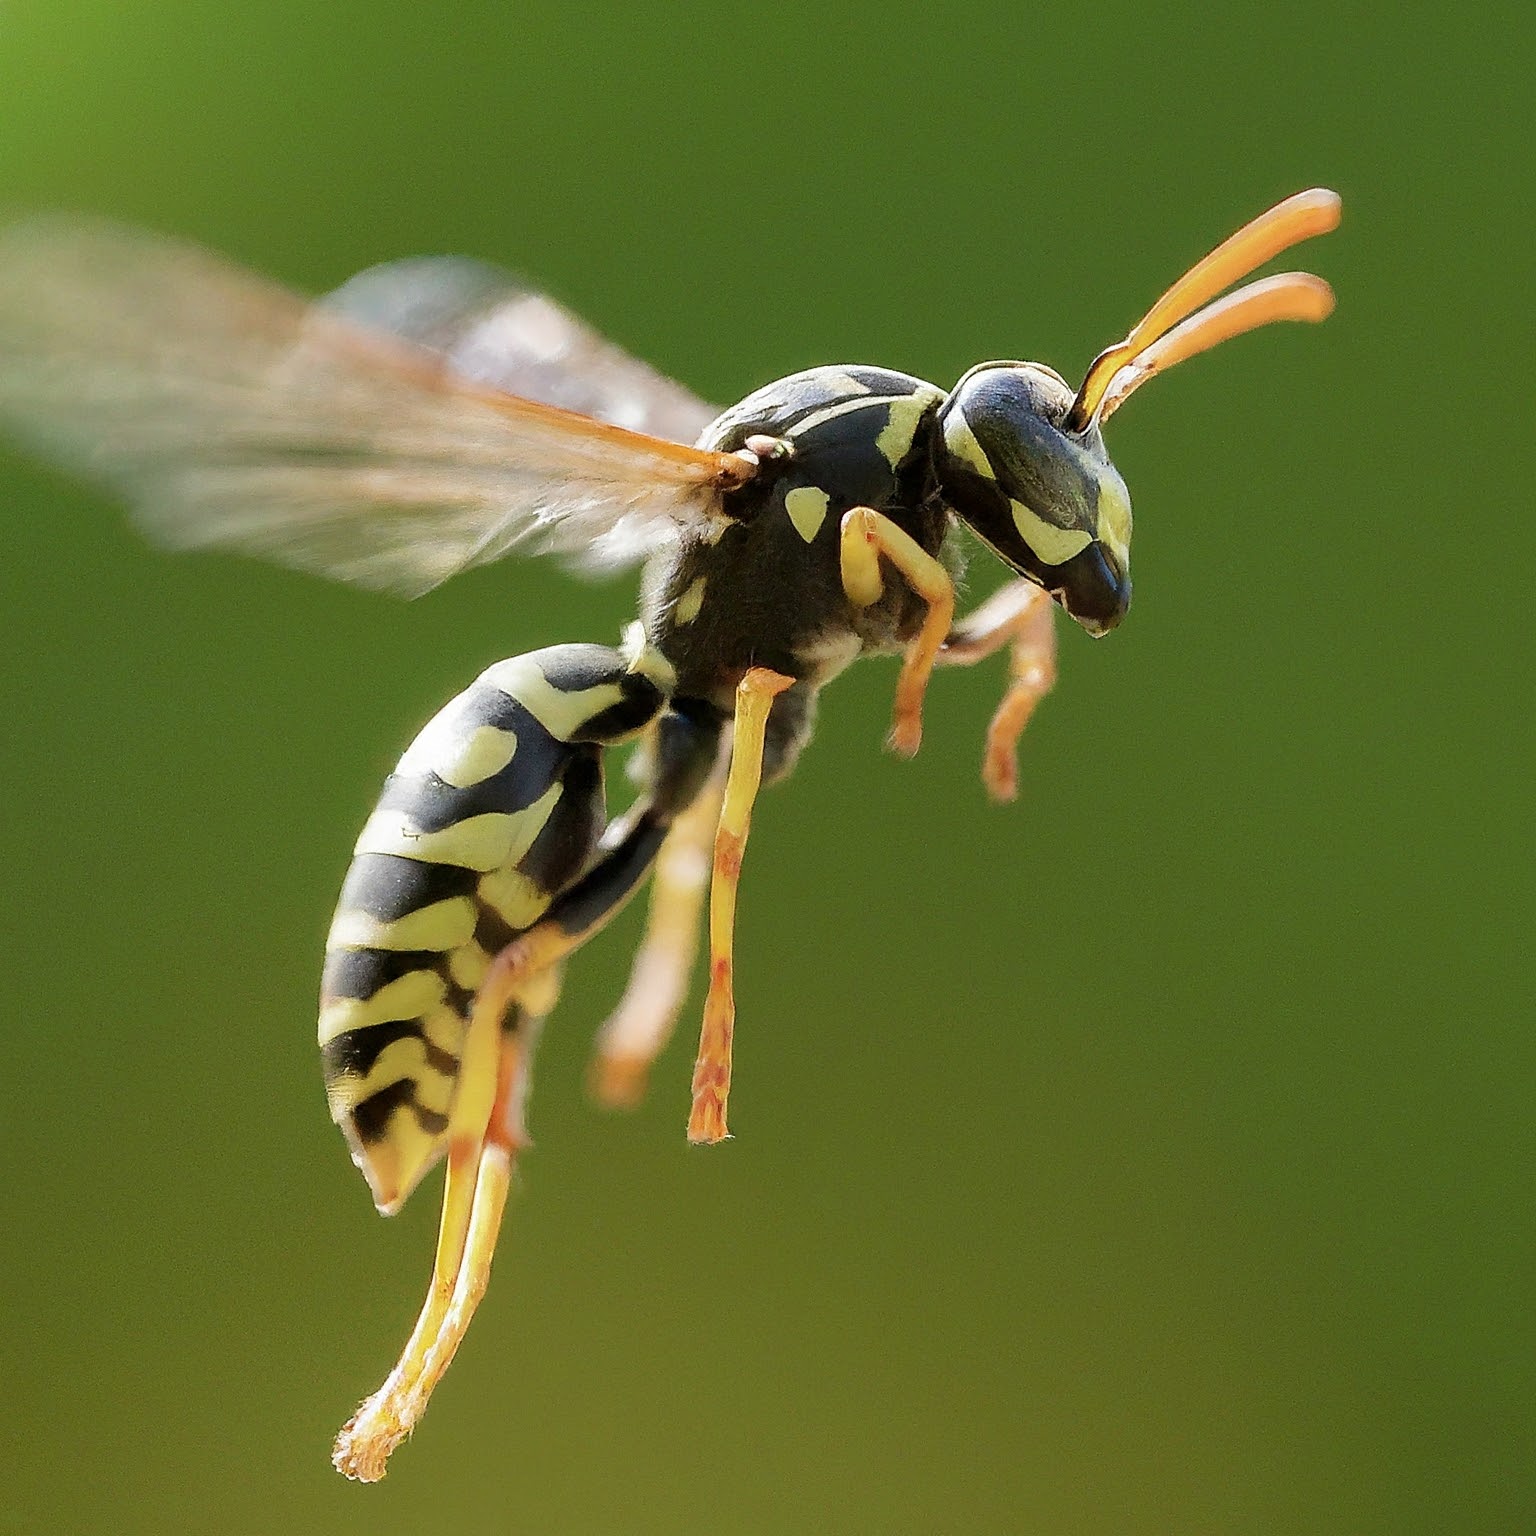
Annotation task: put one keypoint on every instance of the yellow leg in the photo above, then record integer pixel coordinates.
(485, 1131)
(638, 1029)
(866, 536)
(1020, 614)
(712, 1070)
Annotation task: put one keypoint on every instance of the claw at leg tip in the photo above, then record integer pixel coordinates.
(706, 1123)
(618, 1082)
(1001, 779)
(362, 1459)
(905, 737)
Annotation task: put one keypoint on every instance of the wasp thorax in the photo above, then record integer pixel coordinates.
(1046, 501)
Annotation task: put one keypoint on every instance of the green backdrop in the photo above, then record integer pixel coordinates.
(1153, 1156)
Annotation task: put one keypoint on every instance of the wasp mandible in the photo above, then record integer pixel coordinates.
(436, 414)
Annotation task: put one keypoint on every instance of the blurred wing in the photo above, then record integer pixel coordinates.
(489, 326)
(230, 413)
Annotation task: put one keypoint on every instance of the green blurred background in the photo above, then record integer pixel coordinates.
(1153, 1156)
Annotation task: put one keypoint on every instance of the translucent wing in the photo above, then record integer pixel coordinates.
(491, 327)
(231, 413)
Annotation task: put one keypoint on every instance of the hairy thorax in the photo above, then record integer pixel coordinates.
(763, 586)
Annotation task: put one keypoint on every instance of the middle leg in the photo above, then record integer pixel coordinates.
(642, 1024)
(867, 536)
(712, 1069)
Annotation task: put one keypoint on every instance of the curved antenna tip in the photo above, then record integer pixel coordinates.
(1315, 211)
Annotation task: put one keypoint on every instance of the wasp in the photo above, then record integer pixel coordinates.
(437, 414)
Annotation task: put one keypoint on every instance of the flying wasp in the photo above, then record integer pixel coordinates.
(433, 415)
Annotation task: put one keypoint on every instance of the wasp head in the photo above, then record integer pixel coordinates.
(1047, 501)
(1021, 460)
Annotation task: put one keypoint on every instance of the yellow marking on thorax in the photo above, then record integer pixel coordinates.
(842, 408)
(456, 757)
(961, 442)
(807, 508)
(443, 925)
(846, 384)
(560, 713)
(895, 439)
(478, 842)
(1055, 546)
(406, 997)
(687, 607)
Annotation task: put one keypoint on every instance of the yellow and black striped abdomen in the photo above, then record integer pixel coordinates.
(494, 809)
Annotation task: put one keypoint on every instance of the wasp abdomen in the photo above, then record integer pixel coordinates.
(493, 810)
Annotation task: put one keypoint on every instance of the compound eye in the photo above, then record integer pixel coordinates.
(1003, 440)
(1032, 493)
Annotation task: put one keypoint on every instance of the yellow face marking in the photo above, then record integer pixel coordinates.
(1115, 522)
(478, 842)
(961, 442)
(895, 439)
(456, 758)
(1054, 545)
(514, 897)
(561, 714)
(807, 508)
(443, 925)
(406, 997)
(688, 605)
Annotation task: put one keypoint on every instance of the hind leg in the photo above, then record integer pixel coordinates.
(486, 1132)
(638, 1029)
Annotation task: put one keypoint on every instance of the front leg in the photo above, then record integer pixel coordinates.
(866, 536)
(1020, 614)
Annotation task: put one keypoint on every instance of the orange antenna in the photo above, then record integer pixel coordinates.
(1293, 296)
(1285, 296)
